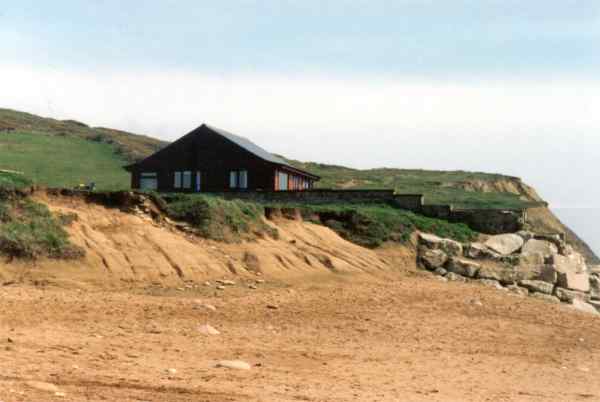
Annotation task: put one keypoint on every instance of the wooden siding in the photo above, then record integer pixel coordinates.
(215, 157)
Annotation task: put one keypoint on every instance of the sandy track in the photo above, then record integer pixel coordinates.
(346, 337)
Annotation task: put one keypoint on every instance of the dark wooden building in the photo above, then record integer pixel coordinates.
(209, 159)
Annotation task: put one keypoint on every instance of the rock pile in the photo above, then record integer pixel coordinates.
(525, 263)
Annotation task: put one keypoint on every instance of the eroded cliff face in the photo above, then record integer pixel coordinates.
(131, 249)
(511, 185)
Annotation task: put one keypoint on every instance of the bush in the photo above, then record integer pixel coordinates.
(372, 225)
(218, 219)
(29, 230)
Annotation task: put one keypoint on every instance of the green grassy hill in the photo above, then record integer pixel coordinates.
(68, 152)
(462, 189)
(64, 153)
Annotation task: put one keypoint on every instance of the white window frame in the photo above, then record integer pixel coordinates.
(186, 179)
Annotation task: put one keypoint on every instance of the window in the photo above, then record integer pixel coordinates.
(238, 179)
(283, 181)
(187, 179)
(233, 179)
(148, 181)
(243, 179)
(177, 180)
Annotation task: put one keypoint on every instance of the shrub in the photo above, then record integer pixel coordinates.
(29, 230)
(371, 225)
(217, 218)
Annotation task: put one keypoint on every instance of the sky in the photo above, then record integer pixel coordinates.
(500, 86)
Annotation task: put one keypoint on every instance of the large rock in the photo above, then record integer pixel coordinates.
(594, 287)
(491, 283)
(571, 263)
(546, 297)
(433, 259)
(479, 251)
(507, 274)
(548, 274)
(463, 267)
(584, 307)
(505, 244)
(451, 276)
(440, 271)
(448, 246)
(537, 286)
(574, 281)
(543, 247)
(568, 296)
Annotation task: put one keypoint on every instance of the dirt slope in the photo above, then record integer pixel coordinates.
(127, 249)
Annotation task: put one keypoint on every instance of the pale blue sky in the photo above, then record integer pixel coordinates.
(423, 37)
(503, 86)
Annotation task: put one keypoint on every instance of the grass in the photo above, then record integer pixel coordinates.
(130, 147)
(439, 187)
(29, 230)
(63, 161)
(372, 225)
(68, 152)
(12, 181)
(219, 219)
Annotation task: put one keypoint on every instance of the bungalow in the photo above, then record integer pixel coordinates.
(209, 159)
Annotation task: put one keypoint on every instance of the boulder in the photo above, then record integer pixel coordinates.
(451, 276)
(584, 307)
(450, 247)
(595, 303)
(478, 251)
(463, 267)
(594, 287)
(544, 296)
(525, 235)
(440, 271)
(568, 296)
(537, 286)
(547, 274)
(505, 244)
(542, 247)
(433, 259)
(574, 281)
(491, 283)
(517, 290)
(571, 263)
(507, 274)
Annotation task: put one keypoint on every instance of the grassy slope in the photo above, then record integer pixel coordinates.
(439, 187)
(130, 147)
(66, 152)
(27, 228)
(63, 161)
(54, 152)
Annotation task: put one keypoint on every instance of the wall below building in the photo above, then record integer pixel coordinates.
(326, 196)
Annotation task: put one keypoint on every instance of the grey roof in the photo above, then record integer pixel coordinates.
(249, 146)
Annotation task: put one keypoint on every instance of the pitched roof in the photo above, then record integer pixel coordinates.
(241, 142)
(249, 146)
